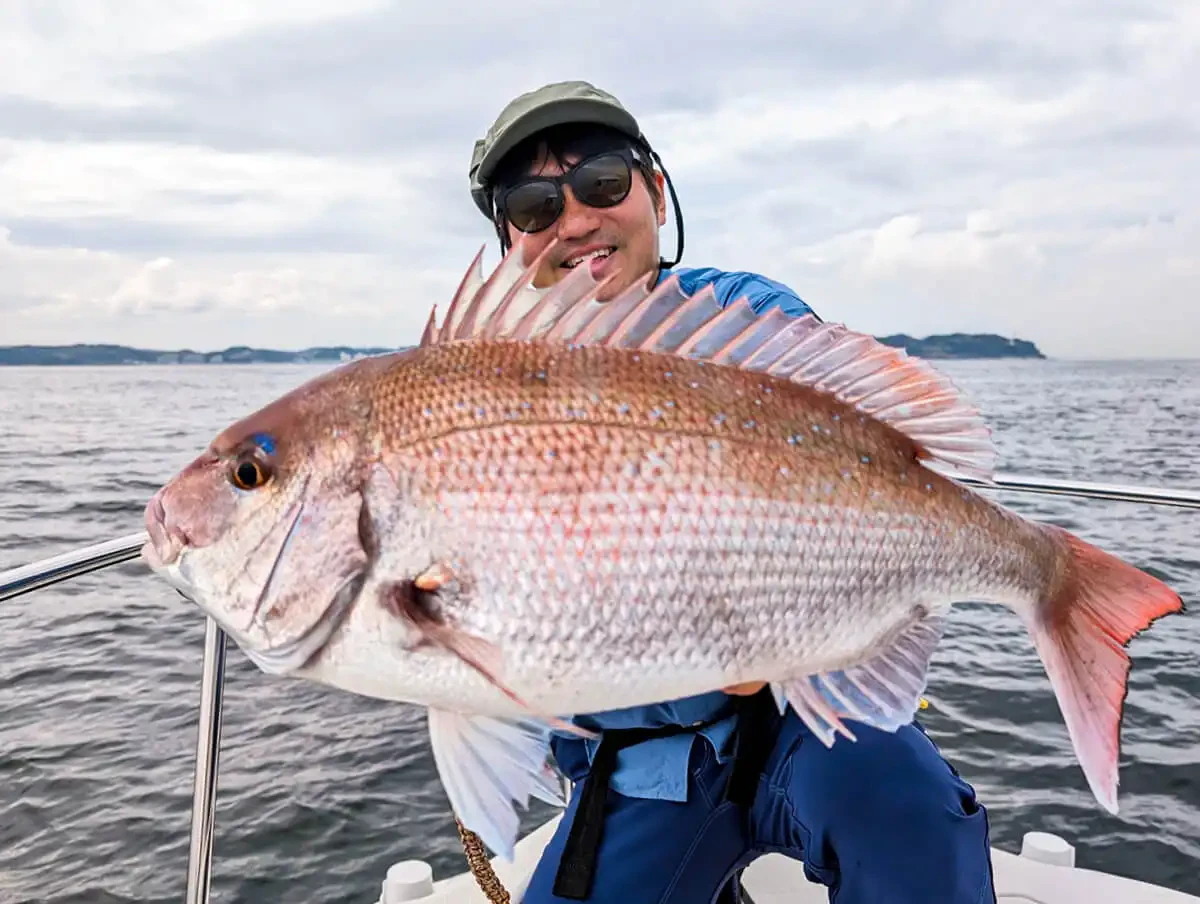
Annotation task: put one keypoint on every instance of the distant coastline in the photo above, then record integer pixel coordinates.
(92, 355)
(952, 345)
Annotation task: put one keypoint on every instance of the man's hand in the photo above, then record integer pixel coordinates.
(745, 689)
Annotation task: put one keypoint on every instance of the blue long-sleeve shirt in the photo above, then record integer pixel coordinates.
(658, 768)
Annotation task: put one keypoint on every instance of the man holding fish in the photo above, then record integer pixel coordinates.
(885, 819)
(667, 525)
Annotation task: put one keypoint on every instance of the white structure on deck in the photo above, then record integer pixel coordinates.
(1043, 873)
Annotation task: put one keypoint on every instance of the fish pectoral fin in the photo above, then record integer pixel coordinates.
(883, 692)
(416, 602)
(487, 765)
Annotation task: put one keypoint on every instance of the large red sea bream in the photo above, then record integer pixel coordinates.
(568, 506)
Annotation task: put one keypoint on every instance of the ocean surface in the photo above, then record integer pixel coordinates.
(320, 791)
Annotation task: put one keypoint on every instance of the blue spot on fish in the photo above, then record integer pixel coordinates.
(265, 442)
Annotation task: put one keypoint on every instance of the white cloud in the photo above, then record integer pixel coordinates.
(290, 174)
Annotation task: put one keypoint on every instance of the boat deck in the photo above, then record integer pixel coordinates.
(774, 879)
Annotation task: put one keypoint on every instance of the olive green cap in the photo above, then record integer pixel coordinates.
(550, 105)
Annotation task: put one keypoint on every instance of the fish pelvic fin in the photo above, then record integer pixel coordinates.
(883, 692)
(488, 766)
(1080, 634)
(878, 380)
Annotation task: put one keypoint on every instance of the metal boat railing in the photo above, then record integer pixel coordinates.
(46, 572)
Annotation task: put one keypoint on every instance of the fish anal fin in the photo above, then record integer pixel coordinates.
(883, 692)
(488, 766)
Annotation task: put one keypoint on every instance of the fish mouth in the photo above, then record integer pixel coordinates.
(166, 541)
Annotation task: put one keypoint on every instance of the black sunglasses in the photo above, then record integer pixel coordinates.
(602, 180)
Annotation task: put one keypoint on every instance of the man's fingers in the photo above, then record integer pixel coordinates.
(745, 689)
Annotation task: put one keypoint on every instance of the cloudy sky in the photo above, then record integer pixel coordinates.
(205, 173)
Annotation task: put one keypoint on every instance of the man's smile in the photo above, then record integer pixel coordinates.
(599, 252)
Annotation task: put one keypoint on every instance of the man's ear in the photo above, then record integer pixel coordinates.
(662, 197)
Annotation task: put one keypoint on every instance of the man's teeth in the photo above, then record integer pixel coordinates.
(572, 262)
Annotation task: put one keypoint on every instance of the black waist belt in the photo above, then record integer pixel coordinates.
(577, 867)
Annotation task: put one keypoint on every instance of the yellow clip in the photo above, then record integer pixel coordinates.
(924, 703)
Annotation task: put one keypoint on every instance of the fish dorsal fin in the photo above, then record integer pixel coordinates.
(879, 380)
(492, 308)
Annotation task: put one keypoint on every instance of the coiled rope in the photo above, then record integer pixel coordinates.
(481, 866)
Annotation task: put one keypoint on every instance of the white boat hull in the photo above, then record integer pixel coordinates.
(775, 879)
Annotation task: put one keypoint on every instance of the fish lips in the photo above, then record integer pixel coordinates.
(165, 543)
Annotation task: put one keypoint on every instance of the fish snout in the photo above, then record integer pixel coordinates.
(167, 538)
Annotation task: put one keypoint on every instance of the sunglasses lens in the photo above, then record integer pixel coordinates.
(602, 181)
(533, 206)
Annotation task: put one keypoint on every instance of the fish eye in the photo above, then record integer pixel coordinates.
(249, 474)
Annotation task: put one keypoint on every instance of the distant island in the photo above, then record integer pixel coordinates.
(952, 345)
(964, 345)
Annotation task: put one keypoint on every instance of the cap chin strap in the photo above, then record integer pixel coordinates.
(502, 233)
(663, 264)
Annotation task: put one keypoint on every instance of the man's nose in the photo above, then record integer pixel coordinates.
(576, 219)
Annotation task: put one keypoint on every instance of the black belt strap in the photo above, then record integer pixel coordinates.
(756, 716)
(576, 869)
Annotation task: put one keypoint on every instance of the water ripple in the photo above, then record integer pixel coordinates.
(320, 791)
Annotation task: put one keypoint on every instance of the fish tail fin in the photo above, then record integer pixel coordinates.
(1080, 632)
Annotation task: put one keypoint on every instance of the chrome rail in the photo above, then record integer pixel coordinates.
(208, 756)
(37, 575)
(25, 579)
(1114, 492)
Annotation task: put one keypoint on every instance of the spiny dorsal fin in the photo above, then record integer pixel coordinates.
(882, 382)
(491, 308)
